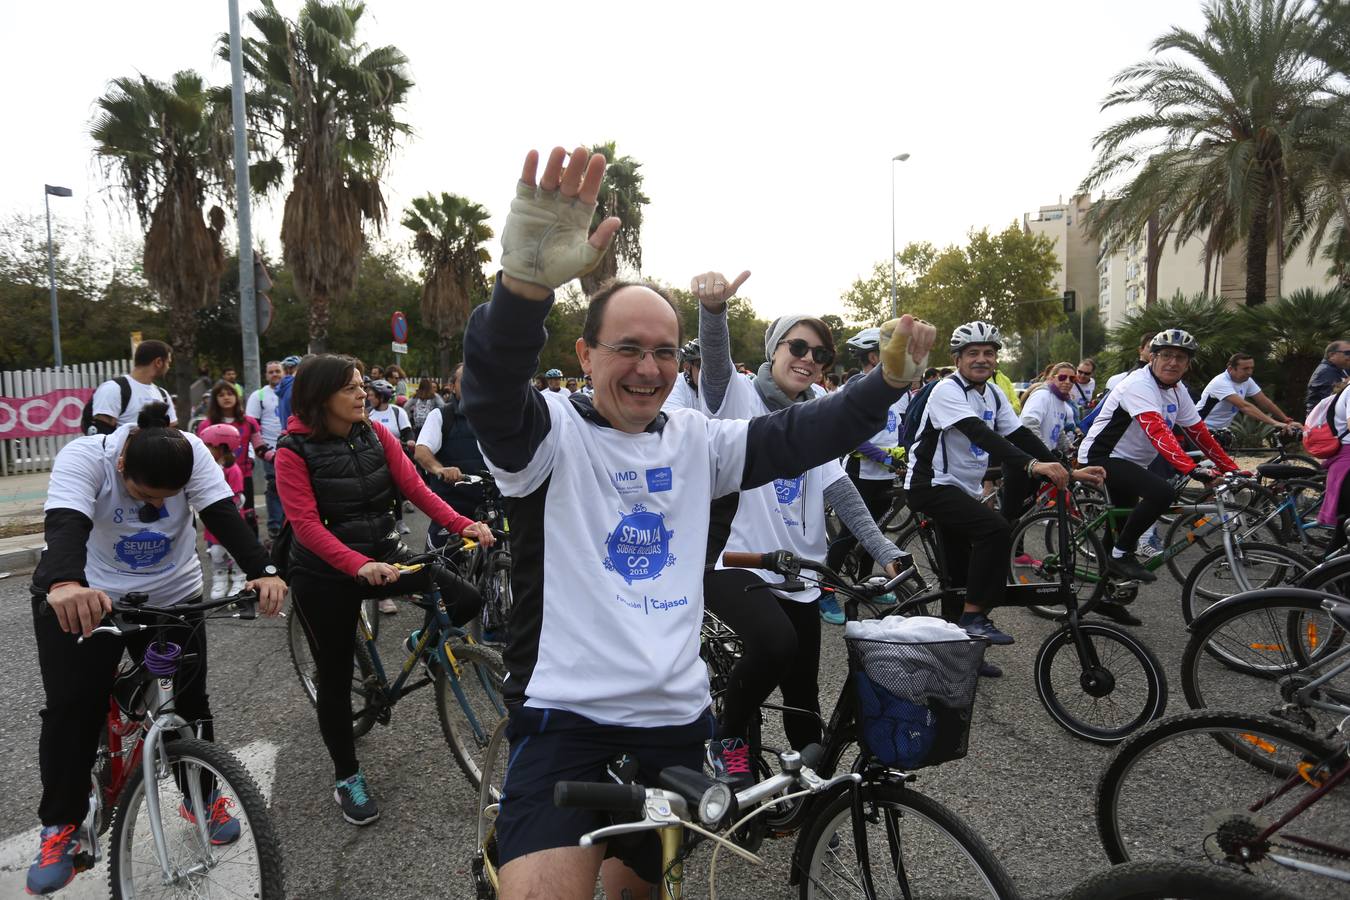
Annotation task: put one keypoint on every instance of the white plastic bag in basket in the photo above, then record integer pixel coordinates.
(906, 630)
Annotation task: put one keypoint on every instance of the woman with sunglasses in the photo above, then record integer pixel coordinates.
(1048, 412)
(779, 630)
(119, 519)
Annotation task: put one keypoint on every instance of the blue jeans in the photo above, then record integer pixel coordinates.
(275, 514)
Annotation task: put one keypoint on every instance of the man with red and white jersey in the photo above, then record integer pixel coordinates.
(1134, 428)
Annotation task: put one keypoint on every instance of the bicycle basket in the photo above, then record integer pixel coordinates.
(915, 699)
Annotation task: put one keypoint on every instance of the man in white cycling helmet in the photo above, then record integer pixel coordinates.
(966, 424)
(553, 381)
(1134, 428)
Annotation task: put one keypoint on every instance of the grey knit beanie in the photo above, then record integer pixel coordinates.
(774, 333)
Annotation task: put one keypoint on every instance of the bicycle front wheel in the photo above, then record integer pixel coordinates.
(363, 674)
(1103, 702)
(1247, 507)
(1254, 566)
(916, 847)
(207, 858)
(470, 705)
(1177, 790)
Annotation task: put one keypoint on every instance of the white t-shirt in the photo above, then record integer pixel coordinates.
(885, 439)
(262, 406)
(561, 392)
(393, 418)
(1338, 415)
(621, 619)
(1080, 395)
(787, 514)
(1214, 405)
(124, 554)
(944, 455)
(430, 435)
(1119, 377)
(1048, 416)
(682, 396)
(108, 400)
(1116, 427)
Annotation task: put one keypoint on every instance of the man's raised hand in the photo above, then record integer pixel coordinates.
(546, 241)
(905, 343)
(713, 290)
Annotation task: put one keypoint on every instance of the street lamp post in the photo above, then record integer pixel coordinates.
(51, 190)
(901, 157)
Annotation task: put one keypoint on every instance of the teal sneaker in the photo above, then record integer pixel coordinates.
(353, 795)
(886, 599)
(830, 611)
(54, 866)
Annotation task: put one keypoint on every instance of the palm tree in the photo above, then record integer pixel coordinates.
(167, 147)
(620, 195)
(1298, 328)
(327, 105)
(1213, 130)
(449, 234)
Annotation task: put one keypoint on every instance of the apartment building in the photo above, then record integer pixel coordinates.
(1075, 249)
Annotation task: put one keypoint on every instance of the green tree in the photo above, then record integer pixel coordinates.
(1209, 134)
(1294, 331)
(449, 234)
(166, 148)
(868, 300)
(1219, 329)
(329, 106)
(620, 195)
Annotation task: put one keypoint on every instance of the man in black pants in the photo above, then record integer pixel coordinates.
(965, 424)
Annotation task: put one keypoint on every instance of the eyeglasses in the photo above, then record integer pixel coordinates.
(634, 353)
(1064, 378)
(1173, 356)
(798, 348)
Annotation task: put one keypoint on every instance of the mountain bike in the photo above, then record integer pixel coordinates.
(488, 568)
(139, 776)
(467, 676)
(1247, 791)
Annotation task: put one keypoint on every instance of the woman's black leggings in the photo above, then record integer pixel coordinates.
(328, 609)
(780, 642)
(1131, 484)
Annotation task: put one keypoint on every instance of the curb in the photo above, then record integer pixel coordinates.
(22, 559)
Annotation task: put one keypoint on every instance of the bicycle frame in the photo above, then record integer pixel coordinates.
(1305, 774)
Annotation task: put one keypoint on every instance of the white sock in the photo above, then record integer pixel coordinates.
(1117, 553)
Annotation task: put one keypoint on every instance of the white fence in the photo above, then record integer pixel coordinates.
(21, 455)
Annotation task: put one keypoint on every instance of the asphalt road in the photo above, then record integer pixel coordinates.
(1027, 786)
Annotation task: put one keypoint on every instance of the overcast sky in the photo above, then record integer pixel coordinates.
(766, 130)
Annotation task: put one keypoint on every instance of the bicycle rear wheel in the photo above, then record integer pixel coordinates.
(1125, 691)
(917, 539)
(470, 705)
(363, 674)
(1256, 566)
(1178, 790)
(1037, 558)
(1182, 880)
(202, 863)
(911, 840)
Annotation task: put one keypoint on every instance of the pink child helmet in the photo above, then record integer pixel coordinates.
(220, 433)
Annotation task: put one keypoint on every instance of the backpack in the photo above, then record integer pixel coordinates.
(90, 425)
(1319, 434)
(909, 433)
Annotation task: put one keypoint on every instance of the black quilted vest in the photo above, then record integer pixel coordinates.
(354, 491)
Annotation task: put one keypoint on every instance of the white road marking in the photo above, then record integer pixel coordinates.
(17, 851)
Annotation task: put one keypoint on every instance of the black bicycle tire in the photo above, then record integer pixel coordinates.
(1274, 532)
(1198, 645)
(1189, 610)
(1108, 786)
(1154, 674)
(817, 835)
(1321, 540)
(1162, 879)
(474, 660)
(242, 789)
(918, 542)
(1050, 518)
(363, 718)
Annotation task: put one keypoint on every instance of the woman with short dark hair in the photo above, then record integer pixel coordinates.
(340, 477)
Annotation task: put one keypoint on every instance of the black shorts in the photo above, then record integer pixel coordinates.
(550, 745)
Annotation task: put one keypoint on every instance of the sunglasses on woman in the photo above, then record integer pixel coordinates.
(1064, 378)
(799, 348)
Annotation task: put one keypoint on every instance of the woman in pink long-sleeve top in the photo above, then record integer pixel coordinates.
(339, 477)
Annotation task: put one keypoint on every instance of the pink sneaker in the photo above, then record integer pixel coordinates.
(1025, 559)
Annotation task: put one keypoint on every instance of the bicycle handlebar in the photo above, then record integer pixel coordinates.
(133, 606)
(617, 798)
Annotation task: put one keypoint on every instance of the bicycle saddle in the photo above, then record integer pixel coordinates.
(1283, 471)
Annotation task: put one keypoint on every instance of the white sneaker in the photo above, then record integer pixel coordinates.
(237, 581)
(218, 580)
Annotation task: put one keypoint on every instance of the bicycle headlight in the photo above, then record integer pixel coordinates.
(716, 802)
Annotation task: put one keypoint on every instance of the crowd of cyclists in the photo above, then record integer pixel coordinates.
(625, 485)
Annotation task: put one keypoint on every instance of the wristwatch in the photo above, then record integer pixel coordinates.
(270, 570)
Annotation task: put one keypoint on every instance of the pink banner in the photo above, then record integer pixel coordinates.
(52, 414)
